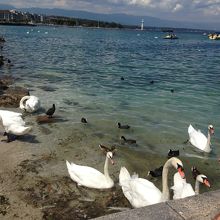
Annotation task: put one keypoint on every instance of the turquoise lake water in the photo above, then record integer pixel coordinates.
(80, 70)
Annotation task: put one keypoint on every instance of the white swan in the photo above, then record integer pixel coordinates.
(13, 123)
(182, 189)
(199, 140)
(30, 103)
(141, 192)
(90, 177)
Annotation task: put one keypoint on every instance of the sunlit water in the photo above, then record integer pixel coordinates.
(80, 70)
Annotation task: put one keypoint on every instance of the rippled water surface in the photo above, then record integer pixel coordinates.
(81, 70)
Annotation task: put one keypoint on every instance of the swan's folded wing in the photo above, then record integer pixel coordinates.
(144, 192)
(198, 139)
(187, 191)
(16, 120)
(182, 190)
(124, 175)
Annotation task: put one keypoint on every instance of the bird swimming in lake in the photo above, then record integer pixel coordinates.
(123, 126)
(83, 120)
(156, 172)
(173, 153)
(129, 141)
(199, 140)
(51, 111)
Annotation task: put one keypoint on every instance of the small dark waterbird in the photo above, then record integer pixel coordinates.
(51, 111)
(173, 153)
(157, 172)
(123, 126)
(83, 120)
(129, 141)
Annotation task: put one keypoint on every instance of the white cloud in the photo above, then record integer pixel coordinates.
(177, 7)
(172, 9)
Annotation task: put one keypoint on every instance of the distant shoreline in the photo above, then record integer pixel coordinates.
(157, 29)
(17, 24)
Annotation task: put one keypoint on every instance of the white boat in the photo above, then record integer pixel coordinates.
(171, 36)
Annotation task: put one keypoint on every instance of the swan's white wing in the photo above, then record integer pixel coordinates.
(5, 113)
(8, 121)
(141, 192)
(18, 129)
(124, 176)
(197, 138)
(145, 192)
(187, 191)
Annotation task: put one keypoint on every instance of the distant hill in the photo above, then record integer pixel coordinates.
(123, 19)
(6, 7)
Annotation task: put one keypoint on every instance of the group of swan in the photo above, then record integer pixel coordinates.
(182, 189)
(139, 191)
(13, 123)
(199, 140)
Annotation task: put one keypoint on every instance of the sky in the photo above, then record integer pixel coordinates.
(179, 10)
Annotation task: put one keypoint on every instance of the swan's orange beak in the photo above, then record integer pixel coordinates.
(206, 182)
(181, 172)
(112, 161)
(212, 130)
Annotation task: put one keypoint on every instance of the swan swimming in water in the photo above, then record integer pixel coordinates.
(199, 140)
(90, 177)
(13, 123)
(30, 103)
(141, 192)
(182, 189)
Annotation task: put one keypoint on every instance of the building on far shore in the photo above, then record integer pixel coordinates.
(13, 16)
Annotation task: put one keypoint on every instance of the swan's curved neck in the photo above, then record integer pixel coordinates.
(106, 173)
(197, 187)
(22, 101)
(208, 141)
(165, 189)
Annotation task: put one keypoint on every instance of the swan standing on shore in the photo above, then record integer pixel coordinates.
(90, 177)
(30, 103)
(199, 140)
(13, 123)
(141, 192)
(182, 189)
